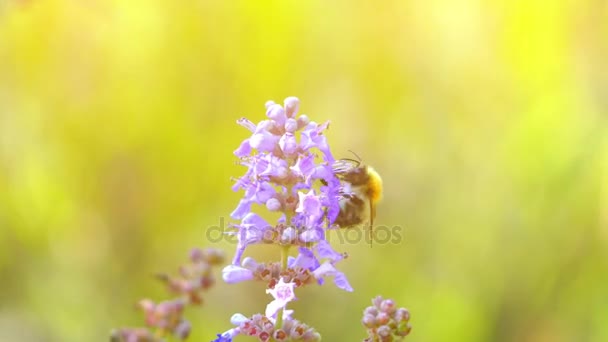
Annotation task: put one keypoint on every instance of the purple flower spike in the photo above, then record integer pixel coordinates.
(289, 171)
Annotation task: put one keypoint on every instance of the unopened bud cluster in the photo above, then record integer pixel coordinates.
(385, 322)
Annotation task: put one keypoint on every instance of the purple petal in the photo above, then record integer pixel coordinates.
(273, 204)
(254, 220)
(234, 274)
(299, 220)
(264, 126)
(324, 172)
(246, 123)
(321, 144)
(252, 229)
(310, 204)
(325, 251)
(244, 149)
(264, 142)
(275, 167)
(311, 235)
(238, 319)
(264, 192)
(250, 263)
(243, 182)
(289, 235)
(323, 126)
(276, 113)
(327, 269)
(272, 308)
(332, 213)
(331, 198)
(341, 282)
(292, 105)
(306, 259)
(291, 125)
(288, 144)
(241, 210)
(240, 249)
(291, 261)
(313, 138)
(304, 165)
(308, 136)
(303, 121)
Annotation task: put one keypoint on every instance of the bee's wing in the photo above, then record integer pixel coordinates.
(342, 166)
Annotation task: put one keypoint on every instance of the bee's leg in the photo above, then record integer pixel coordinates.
(372, 214)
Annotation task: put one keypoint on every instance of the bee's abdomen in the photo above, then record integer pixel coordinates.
(352, 212)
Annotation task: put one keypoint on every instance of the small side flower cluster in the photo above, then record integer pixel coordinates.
(196, 276)
(165, 318)
(264, 329)
(289, 171)
(267, 327)
(385, 322)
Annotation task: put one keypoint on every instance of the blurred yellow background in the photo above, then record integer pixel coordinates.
(486, 119)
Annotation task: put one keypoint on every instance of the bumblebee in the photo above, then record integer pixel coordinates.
(360, 192)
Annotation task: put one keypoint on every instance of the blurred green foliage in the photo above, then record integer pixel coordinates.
(486, 119)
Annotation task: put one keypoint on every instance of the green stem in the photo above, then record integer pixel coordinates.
(284, 256)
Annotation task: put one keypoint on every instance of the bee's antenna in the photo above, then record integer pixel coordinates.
(356, 155)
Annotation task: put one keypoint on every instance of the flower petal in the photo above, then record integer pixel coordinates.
(325, 251)
(235, 274)
(244, 149)
(276, 113)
